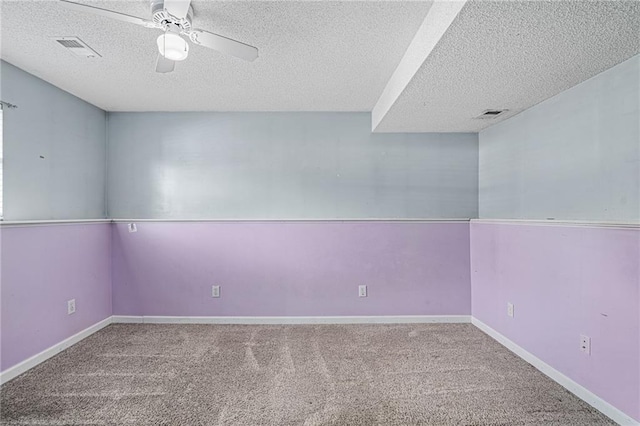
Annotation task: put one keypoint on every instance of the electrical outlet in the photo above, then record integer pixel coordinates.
(585, 344)
(132, 227)
(71, 306)
(215, 291)
(510, 309)
(362, 291)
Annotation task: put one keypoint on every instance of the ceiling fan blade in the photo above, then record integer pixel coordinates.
(164, 65)
(177, 8)
(108, 14)
(223, 44)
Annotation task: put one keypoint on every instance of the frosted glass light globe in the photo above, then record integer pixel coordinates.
(173, 47)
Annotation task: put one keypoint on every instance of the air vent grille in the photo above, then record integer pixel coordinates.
(77, 47)
(491, 113)
(70, 44)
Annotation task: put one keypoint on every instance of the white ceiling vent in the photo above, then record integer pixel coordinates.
(491, 113)
(77, 47)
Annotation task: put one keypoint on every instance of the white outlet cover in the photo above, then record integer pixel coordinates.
(215, 291)
(585, 344)
(510, 309)
(362, 291)
(71, 306)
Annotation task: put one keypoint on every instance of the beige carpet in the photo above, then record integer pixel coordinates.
(422, 374)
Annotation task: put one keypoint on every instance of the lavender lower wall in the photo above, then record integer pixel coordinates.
(564, 282)
(291, 268)
(41, 268)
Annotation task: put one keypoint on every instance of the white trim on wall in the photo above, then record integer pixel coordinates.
(31, 362)
(126, 319)
(285, 220)
(20, 223)
(550, 222)
(396, 319)
(581, 392)
(568, 223)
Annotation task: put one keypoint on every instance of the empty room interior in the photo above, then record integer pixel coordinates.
(320, 212)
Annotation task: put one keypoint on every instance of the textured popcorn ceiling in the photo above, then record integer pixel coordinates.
(333, 56)
(314, 56)
(512, 54)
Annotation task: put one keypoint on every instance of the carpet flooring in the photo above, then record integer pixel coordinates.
(417, 374)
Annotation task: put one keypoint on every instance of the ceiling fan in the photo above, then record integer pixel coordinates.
(174, 18)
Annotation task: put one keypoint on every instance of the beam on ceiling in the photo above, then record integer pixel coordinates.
(440, 16)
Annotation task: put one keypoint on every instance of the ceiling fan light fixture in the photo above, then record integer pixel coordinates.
(173, 47)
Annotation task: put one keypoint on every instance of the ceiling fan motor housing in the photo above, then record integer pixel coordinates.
(170, 23)
(174, 17)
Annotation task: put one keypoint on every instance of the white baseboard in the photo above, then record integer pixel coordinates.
(399, 319)
(29, 363)
(578, 390)
(126, 319)
(581, 392)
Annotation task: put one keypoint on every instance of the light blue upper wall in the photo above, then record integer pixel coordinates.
(283, 166)
(575, 156)
(54, 151)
